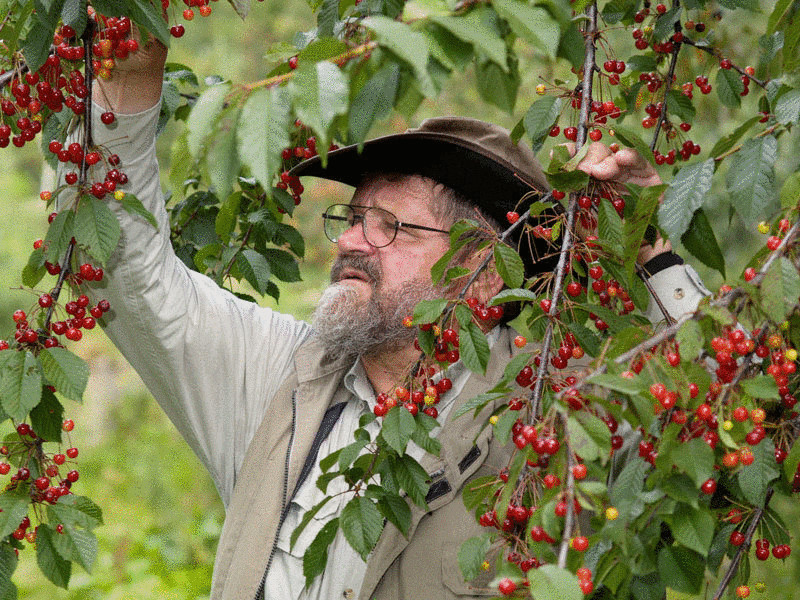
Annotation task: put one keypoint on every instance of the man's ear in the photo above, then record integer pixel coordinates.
(486, 286)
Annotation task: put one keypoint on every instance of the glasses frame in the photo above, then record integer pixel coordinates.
(356, 218)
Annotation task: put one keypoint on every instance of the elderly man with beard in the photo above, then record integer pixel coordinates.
(261, 396)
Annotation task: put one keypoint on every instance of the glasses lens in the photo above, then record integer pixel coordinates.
(380, 227)
(336, 220)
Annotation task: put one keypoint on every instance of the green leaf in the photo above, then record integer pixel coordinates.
(307, 516)
(320, 93)
(54, 567)
(627, 486)
(144, 13)
(548, 581)
(532, 24)
(428, 311)
(695, 458)
(361, 523)
(47, 417)
(134, 206)
(761, 386)
(684, 196)
(471, 555)
(204, 116)
(750, 179)
(373, 102)
(225, 222)
(478, 27)
(665, 23)
(316, 555)
(509, 265)
(727, 142)
(540, 119)
(68, 372)
(8, 564)
(262, 133)
(398, 425)
(410, 46)
(791, 462)
(609, 226)
(496, 86)
(474, 348)
(97, 228)
(76, 545)
(754, 479)
(33, 272)
(20, 383)
(255, 269)
(79, 511)
(635, 226)
(681, 569)
(631, 139)
(59, 235)
(680, 105)
(790, 193)
(282, 264)
(568, 181)
(693, 528)
(779, 11)
(327, 17)
(73, 13)
(619, 384)
(787, 108)
(690, 338)
(14, 508)
(729, 85)
(395, 510)
(780, 289)
(590, 437)
(411, 477)
(699, 239)
(222, 160)
(36, 46)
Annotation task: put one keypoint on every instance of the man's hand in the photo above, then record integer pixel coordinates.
(624, 166)
(135, 83)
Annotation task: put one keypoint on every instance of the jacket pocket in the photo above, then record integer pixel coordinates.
(454, 580)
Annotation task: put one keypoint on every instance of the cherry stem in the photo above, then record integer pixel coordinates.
(713, 52)
(667, 86)
(567, 241)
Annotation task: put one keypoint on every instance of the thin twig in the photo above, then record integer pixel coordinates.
(668, 85)
(569, 519)
(714, 53)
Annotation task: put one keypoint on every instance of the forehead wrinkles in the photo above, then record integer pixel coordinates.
(410, 194)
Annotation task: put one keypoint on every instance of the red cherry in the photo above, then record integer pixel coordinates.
(709, 486)
(512, 216)
(580, 543)
(108, 118)
(177, 30)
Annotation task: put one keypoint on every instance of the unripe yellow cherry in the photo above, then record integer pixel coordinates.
(485, 565)
(541, 89)
(612, 513)
(727, 424)
(763, 227)
(493, 419)
(119, 195)
(790, 354)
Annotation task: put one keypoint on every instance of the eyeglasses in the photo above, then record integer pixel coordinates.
(379, 225)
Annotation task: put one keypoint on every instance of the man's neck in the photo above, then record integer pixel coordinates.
(389, 368)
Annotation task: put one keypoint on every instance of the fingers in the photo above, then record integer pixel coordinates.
(624, 166)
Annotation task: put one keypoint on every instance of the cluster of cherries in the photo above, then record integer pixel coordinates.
(203, 7)
(303, 147)
(421, 394)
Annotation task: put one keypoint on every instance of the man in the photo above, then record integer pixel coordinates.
(256, 393)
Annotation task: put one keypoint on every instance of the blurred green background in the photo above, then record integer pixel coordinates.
(162, 514)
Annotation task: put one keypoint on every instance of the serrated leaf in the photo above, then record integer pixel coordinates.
(47, 417)
(627, 486)
(684, 196)
(262, 133)
(68, 372)
(54, 567)
(36, 46)
(780, 289)
(307, 516)
(665, 23)
(729, 85)
(695, 458)
(97, 229)
(20, 383)
(590, 437)
(34, 270)
(699, 239)
(76, 545)
(316, 555)
(787, 108)
(58, 236)
(609, 226)
(617, 383)
(361, 523)
(227, 216)
(76, 510)
(373, 102)
(791, 462)
(693, 528)
(754, 479)
(474, 348)
(411, 477)
(255, 269)
(134, 206)
(204, 116)
(548, 581)
(568, 181)
(8, 564)
(396, 511)
(681, 569)
(680, 105)
(750, 179)
(398, 426)
(327, 16)
(222, 160)
(727, 142)
(509, 265)
(73, 13)
(471, 555)
(690, 338)
(282, 264)
(761, 387)
(540, 119)
(635, 226)
(320, 93)
(428, 311)
(790, 192)
(535, 25)
(478, 27)
(410, 46)
(496, 85)
(14, 507)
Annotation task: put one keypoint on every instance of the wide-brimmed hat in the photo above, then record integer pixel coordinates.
(477, 159)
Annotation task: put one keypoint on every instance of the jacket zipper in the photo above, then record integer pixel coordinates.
(284, 504)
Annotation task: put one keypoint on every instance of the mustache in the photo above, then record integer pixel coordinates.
(369, 267)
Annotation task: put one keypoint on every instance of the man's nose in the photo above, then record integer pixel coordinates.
(353, 240)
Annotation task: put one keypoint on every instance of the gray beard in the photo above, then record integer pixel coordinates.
(348, 326)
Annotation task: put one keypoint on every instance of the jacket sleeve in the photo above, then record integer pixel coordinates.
(211, 360)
